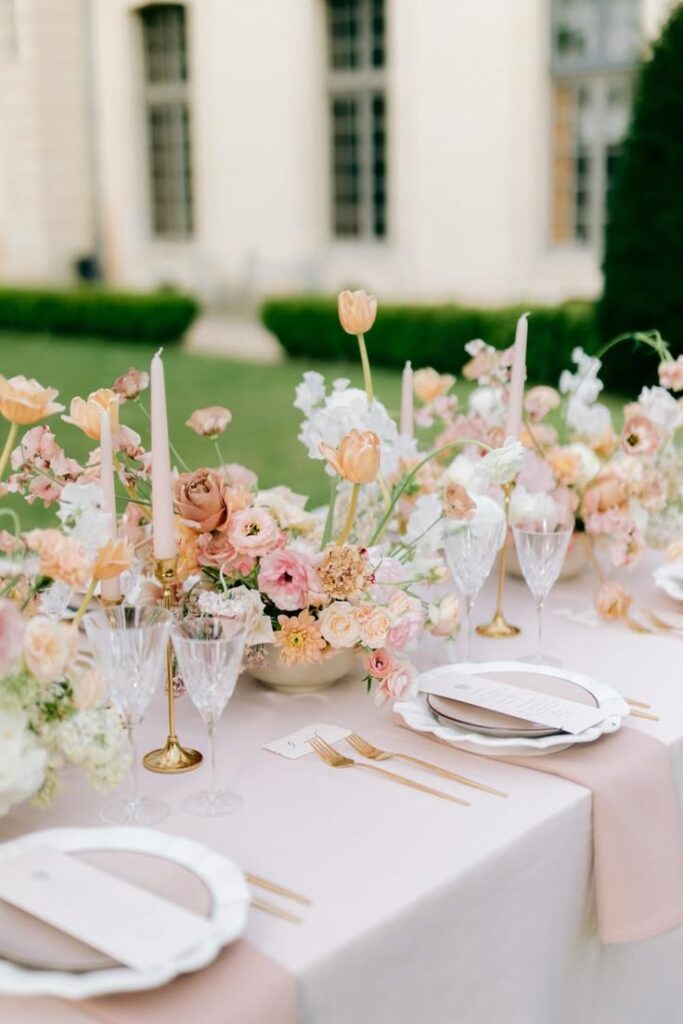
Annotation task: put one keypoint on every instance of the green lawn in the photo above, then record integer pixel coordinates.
(263, 433)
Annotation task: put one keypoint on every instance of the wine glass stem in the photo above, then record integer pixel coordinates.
(135, 768)
(469, 604)
(539, 619)
(212, 754)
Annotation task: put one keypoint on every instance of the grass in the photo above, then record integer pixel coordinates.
(263, 432)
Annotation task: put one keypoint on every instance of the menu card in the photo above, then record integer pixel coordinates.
(129, 924)
(516, 701)
(297, 743)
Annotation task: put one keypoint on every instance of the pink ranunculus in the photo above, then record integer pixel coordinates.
(11, 633)
(671, 374)
(253, 531)
(285, 577)
(380, 663)
(398, 685)
(215, 551)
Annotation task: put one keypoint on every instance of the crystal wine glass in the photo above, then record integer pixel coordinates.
(541, 548)
(209, 653)
(129, 645)
(471, 548)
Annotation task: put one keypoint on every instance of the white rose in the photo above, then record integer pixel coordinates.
(403, 604)
(374, 625)
(338, 625)
(22, 760)
(444, 616)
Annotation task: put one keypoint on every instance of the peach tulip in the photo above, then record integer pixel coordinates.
(357, 457)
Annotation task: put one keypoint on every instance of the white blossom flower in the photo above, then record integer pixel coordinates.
(530, 506)
(310, 393)
(662, 408)
(584, 414)
(488, 402)
(23, 761)
(501, 465)
(425, 528)
(80, 513)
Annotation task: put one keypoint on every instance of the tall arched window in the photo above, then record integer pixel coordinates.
(357, 97)
(595, 46)
(168, 121)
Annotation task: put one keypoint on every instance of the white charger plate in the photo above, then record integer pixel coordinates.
(417, 715)
(225, 883)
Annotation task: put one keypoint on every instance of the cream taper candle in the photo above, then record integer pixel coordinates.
(162, 485)
(109, 589)
(517, 380)
(407, 401)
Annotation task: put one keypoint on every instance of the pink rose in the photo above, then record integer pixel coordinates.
(379, 664)
(285, 577)
(11, 633)
(404, 632)
(253, 531)
(671, 374)
(215, 551)
(398, 685)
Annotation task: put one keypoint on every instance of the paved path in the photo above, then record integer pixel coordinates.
(235, 337)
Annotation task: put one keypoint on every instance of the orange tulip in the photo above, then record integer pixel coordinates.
(24, 402)
(112, 559)
(85, 413)
(357, 311)
(357, 457)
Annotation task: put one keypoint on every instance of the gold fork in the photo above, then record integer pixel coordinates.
(635, 626)
(270, 908)
(333, 758)
(661, 624)
(373, 753)
(279, 890)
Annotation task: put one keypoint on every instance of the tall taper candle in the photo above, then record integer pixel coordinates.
(109, 589)
(517, 380)
(162, 487)
(407, 401)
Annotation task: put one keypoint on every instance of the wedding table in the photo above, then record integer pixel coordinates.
(423, 910)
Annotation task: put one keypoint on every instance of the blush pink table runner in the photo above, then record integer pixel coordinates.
(637, 832)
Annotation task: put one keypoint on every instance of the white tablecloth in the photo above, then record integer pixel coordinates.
(425, 911)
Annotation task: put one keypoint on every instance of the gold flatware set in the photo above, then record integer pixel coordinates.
(268, 907)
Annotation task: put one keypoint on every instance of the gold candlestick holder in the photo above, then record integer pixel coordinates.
(172, 758)
(499, 628)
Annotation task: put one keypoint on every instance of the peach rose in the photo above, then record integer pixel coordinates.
(566, 465)
(88, 688)
(112, 559)
(47, 648)
(612, 601)
(209, 422)
(374, 625)
(430, 385)
(86, 413)
(541, 400)
(201, 500)
(603, 493)
(357, 457)
(25, 401)
(61, 558)
(357, 311)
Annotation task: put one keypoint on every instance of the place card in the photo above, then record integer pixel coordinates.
(131, 925)
(516, 701)
(297, 744)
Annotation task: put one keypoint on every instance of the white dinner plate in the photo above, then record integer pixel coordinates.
(417, 715)
(38, 960)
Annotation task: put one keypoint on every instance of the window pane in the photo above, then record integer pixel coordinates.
(623, 35)
(165, 44)
(170, 168)
(344, 27)
(377, 32)
(346, 166)
(576, 25)
(379, 167)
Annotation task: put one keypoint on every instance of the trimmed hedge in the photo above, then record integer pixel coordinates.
(644, 237)
(159, 317)
(433, 335)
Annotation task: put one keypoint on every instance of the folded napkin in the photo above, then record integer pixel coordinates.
(242, 986)
(637, 831)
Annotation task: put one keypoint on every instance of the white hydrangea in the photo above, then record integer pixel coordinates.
(330, 417)
(23, 761)
(489, 404)
(93, 738)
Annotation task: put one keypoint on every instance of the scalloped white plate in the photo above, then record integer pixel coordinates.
(418, 716)
(228, 915)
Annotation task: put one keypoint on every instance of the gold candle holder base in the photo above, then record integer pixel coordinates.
(172, 758)
(499, 628)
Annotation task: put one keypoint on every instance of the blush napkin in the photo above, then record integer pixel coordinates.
(637, 832)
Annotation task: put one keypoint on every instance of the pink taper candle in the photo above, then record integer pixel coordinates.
(109, 589)
(162, 487)
(407, 401)
(517, 380)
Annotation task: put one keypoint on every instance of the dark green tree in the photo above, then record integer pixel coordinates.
(643, 263)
